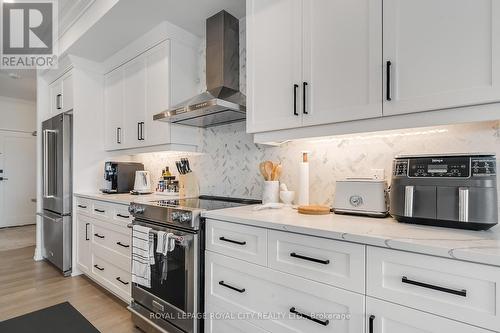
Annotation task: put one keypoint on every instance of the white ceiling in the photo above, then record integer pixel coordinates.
(22, 88)
(129, 19)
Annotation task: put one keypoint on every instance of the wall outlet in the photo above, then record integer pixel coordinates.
(378, 173)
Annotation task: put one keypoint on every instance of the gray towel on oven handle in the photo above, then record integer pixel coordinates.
(166, 243)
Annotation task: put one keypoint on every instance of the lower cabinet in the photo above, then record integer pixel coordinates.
(280, 302)
(217, 321)
(385, 317)
(83, 241)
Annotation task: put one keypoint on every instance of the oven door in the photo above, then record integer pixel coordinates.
(173, 296)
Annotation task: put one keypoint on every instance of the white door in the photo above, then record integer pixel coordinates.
(385, 317)
(134, 102)
(342, 60)
(18, 184)
(274, 44)
(113, 109)
(443, 54)
(157, 92)
(83, 242)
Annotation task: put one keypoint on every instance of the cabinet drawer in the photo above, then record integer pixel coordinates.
(238, 241)
(115, 278)
(393, 318)
(217, 322)
(293, 303)
(449, 288)
(101, 209)
(121, 214)
(83, 205)
(112, 238)
(333, 262)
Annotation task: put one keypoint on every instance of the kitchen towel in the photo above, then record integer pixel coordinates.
(166, 243)
(142, 255)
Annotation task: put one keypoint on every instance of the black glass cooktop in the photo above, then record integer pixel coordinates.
(206, 202)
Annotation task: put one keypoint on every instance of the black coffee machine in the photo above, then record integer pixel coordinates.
(120, 176)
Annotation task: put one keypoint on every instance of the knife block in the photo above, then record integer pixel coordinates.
(188, 186)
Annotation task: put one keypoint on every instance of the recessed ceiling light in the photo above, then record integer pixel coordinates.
(14, 76)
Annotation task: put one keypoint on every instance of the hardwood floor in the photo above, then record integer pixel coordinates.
(17, 237)
(27, 286)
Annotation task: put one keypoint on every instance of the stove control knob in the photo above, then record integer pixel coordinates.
(185, 217)
(176, 216)
(131, 209)
(139, 210)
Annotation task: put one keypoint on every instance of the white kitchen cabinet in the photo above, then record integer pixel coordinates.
(443, 54)
(274, 63)
(67, 92)
(385, 317)
(342, 50)
(55, 90)
(61, 94)
(83, 241)
(134, 102)
(113, 106)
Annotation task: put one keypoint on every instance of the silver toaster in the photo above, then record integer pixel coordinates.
(361, 196)
(453, 190)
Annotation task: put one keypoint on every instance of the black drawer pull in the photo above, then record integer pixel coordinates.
(242, 290)
(123, 216)
(304, 86)
(370, 324)
(224, 239)
(303, 315)
(82, 206)
(462, 292)
(100, 210)
(98, 236)
(295, 87)
(122, 245)
(388, 81)
(120, 280)
(319, 261)
(99, 268)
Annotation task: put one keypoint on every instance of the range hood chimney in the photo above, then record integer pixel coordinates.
(223, 102)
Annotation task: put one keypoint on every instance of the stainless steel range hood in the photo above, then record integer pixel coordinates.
(223, 102)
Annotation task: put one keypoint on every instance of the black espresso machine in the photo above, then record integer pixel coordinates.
(119, 177)
(451, 190)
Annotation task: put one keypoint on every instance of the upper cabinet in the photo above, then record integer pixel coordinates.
(442, 54)
(144, 86)
(61, 94)
(313, 62)
(329, 62)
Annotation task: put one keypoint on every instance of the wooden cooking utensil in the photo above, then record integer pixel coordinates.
(268, 166)
(277, 171)
(314, 210)
(262, 168)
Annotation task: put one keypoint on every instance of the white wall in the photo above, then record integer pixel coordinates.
(17, 114)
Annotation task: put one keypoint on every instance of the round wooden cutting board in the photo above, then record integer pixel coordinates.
(314, 210)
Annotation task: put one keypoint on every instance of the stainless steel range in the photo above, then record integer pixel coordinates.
(176, 304)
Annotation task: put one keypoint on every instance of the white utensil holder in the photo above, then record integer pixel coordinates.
(271, 192)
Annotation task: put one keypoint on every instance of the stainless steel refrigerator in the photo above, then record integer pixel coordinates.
(57, 191)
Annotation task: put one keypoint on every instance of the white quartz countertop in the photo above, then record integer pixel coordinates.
(125, 198)
(475, 246)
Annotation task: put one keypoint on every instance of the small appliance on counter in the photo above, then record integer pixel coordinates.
(119, 177)
(450, 190)
(142, 183)
(361, 196)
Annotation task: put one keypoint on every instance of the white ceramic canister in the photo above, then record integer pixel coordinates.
(271, 192)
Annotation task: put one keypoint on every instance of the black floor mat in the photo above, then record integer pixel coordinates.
(60, 318)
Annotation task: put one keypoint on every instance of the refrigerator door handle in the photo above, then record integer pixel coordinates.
(46, 189)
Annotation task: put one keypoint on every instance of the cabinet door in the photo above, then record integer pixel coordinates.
(67, 92)
(134, 99)
(384, 317)
(157, 92)
(443, 54)
(83, 242)
(342, 60)
(113, 108)
(274, 48)
(55, 98)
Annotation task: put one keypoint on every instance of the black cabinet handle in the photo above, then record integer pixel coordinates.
(123, 216)
(388, 81)
(100, 210)
(82, 206)
(224, 239)
(462, 292)
(303, 315)
(142, 130)
(295, 87)
(120, 280)
(99, 268)
(138, 131)
(370, 324)
(99, 236)
(58, 102)
(118, 135)
(122, 245)
(304, 86)
(242, 290)
(319, 261)
(87, 231)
